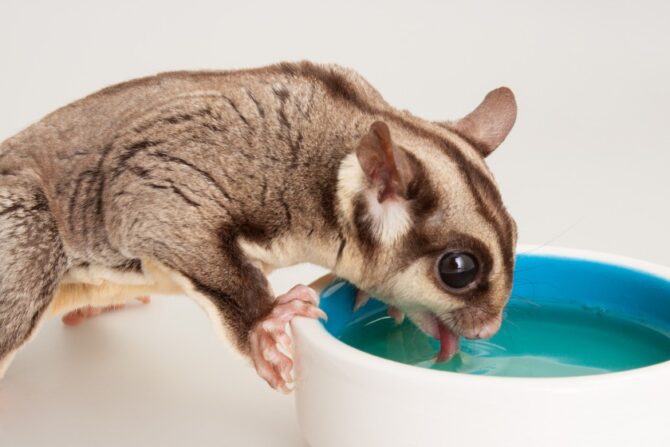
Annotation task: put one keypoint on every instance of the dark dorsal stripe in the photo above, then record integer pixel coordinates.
(485, 193)
(339, 87)
(480, 148)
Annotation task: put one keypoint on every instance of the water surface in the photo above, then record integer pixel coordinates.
(534, 341)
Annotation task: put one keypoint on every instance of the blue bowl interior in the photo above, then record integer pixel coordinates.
(545, 281)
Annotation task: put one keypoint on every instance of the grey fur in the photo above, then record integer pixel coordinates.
(179, 168)
(32, 260)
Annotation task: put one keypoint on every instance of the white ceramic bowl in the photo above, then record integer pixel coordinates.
(348, 398)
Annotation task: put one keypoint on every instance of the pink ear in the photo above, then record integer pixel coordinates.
(385, 166)
(490, 123)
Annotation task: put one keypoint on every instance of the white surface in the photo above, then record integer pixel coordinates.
(390, 404)
(586, 166)
(150, 375)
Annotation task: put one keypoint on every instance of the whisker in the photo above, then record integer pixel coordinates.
(517, 271)
(526, 300)
(555, 238)
(509, 322)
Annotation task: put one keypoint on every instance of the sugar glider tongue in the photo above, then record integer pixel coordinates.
(209, 180)
(448, 342)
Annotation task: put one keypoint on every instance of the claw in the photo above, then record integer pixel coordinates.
(362, 299)
(397, 314)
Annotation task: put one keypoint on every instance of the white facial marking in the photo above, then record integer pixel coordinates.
(390, 219)
(350, 181)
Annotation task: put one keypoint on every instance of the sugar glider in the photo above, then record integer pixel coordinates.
(203, 182)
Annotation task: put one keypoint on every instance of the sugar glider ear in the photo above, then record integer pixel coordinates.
(386, 167)
(388, 172)
(490, 123)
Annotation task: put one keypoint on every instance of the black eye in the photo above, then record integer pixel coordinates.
(457, 269)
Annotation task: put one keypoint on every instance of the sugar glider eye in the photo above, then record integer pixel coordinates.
(457, 269)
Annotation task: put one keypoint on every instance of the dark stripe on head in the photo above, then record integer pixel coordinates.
(363, 226)
(420, 193)
(484, 193)
(340, 250)
(480, 184)
(480, 148)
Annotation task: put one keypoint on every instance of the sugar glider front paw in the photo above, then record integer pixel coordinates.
(271, 346)
(74, 318)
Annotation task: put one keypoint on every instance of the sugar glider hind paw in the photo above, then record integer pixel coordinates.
(271, 345)
(76, 316)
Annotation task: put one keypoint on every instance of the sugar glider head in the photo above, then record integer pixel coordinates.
(431, 234)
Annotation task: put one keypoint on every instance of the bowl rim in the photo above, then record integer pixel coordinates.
(312, 332)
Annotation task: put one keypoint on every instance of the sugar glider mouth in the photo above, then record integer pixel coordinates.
(449, 336)
(449, 342)
(429, 323)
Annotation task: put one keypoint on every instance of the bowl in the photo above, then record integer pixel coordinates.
(346, 397)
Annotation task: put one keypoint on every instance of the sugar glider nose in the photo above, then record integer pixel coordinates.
(485, 329)
(490, 328)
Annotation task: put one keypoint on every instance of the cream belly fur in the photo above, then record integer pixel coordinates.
(99, 287)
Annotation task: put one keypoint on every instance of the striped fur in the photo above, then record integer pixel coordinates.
(219, 177)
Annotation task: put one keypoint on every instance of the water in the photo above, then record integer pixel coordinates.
(534, 341)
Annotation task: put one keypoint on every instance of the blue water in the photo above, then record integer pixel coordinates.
(566, 317)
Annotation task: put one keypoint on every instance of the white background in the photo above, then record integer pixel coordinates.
(585, 166)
